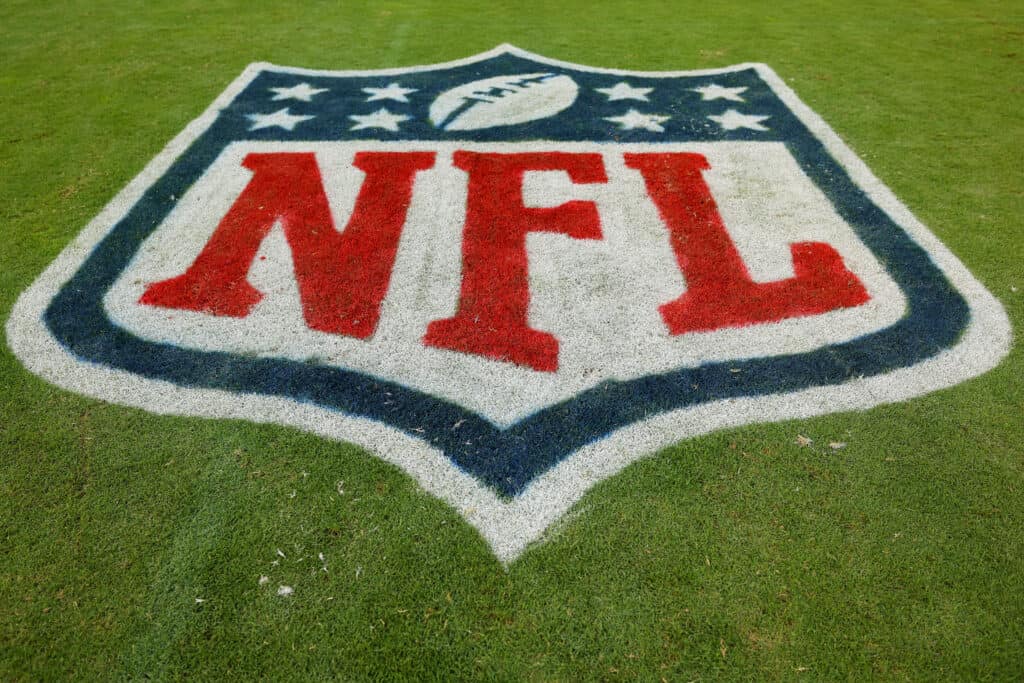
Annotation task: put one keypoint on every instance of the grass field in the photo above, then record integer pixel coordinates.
(132, 544)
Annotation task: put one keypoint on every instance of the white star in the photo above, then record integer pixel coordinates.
(732, 119)
(624, 91)
(718, 92)
(302, 91)
(392, 92)
(280, 118)
(633, 119)
(381, 118)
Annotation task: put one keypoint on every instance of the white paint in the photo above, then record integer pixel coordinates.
(732, 120)
(503, 101)
(302, 92)
(393, 91)
(720, 92)
(509, 526)
(633, 120)
(381, 118)
(281, 118)
(624, 91)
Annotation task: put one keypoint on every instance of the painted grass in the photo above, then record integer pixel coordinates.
(740, 555)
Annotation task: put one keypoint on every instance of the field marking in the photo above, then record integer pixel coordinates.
(509, 527)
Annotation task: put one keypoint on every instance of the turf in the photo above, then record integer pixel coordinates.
(740, 555)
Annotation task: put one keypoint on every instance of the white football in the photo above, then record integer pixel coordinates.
(503, 101)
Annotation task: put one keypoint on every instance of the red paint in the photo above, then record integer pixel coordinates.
(342, 276)
(491, 319)
(719, 291)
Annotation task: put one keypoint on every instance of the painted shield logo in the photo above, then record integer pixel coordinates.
(508, 275)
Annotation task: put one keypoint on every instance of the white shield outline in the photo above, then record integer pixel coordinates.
(509, 526)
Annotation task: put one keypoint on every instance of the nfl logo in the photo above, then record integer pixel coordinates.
(510, 276)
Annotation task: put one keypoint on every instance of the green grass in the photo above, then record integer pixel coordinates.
(737, 556)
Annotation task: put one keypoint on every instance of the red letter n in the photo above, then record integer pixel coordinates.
(342, 276)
